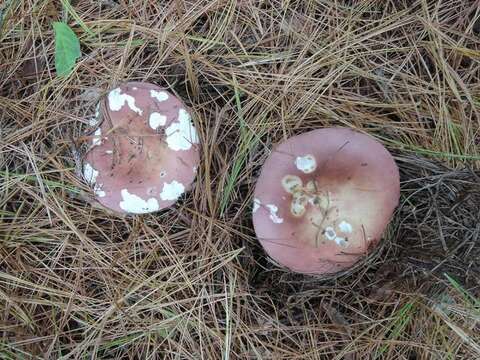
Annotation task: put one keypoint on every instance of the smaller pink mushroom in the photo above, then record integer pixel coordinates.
(324, 198)
(144, 153)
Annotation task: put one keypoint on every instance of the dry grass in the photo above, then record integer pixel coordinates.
(192, 282)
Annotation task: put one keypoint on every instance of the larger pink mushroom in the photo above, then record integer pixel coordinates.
(323, 200)
(144, 154)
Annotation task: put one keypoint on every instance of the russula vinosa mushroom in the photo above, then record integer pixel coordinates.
(323, 200)
(143, 155)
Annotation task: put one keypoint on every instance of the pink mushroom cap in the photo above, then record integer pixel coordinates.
(323, 199)
(144, 153)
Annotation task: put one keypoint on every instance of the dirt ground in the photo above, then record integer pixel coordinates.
(192, 282)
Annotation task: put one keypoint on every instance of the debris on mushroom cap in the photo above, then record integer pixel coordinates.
(144, 153)
(334, 191)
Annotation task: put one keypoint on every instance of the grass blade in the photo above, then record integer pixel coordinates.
(248, 139)
(69, 8)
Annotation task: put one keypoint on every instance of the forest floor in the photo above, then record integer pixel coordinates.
(192, 282)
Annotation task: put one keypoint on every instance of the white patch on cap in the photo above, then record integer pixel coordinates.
(156, 119)
(291, 183)
(97, 137)
(181, 134)
(195, 169)
(136, 205)
(98, 190)
(172, 191)
(297, 208)
(273, 214)
(306, 163)
(116, 100)
(345, 227)
(135, 88)
(159, 95)
(340, 241)
(89, 173)
(93, 121)
(109, 152)
(330, 233)
(256, 205)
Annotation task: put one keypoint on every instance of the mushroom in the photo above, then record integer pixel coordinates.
(323, 200)
(144, 154)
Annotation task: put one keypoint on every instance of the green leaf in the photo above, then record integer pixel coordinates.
(67, 48)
